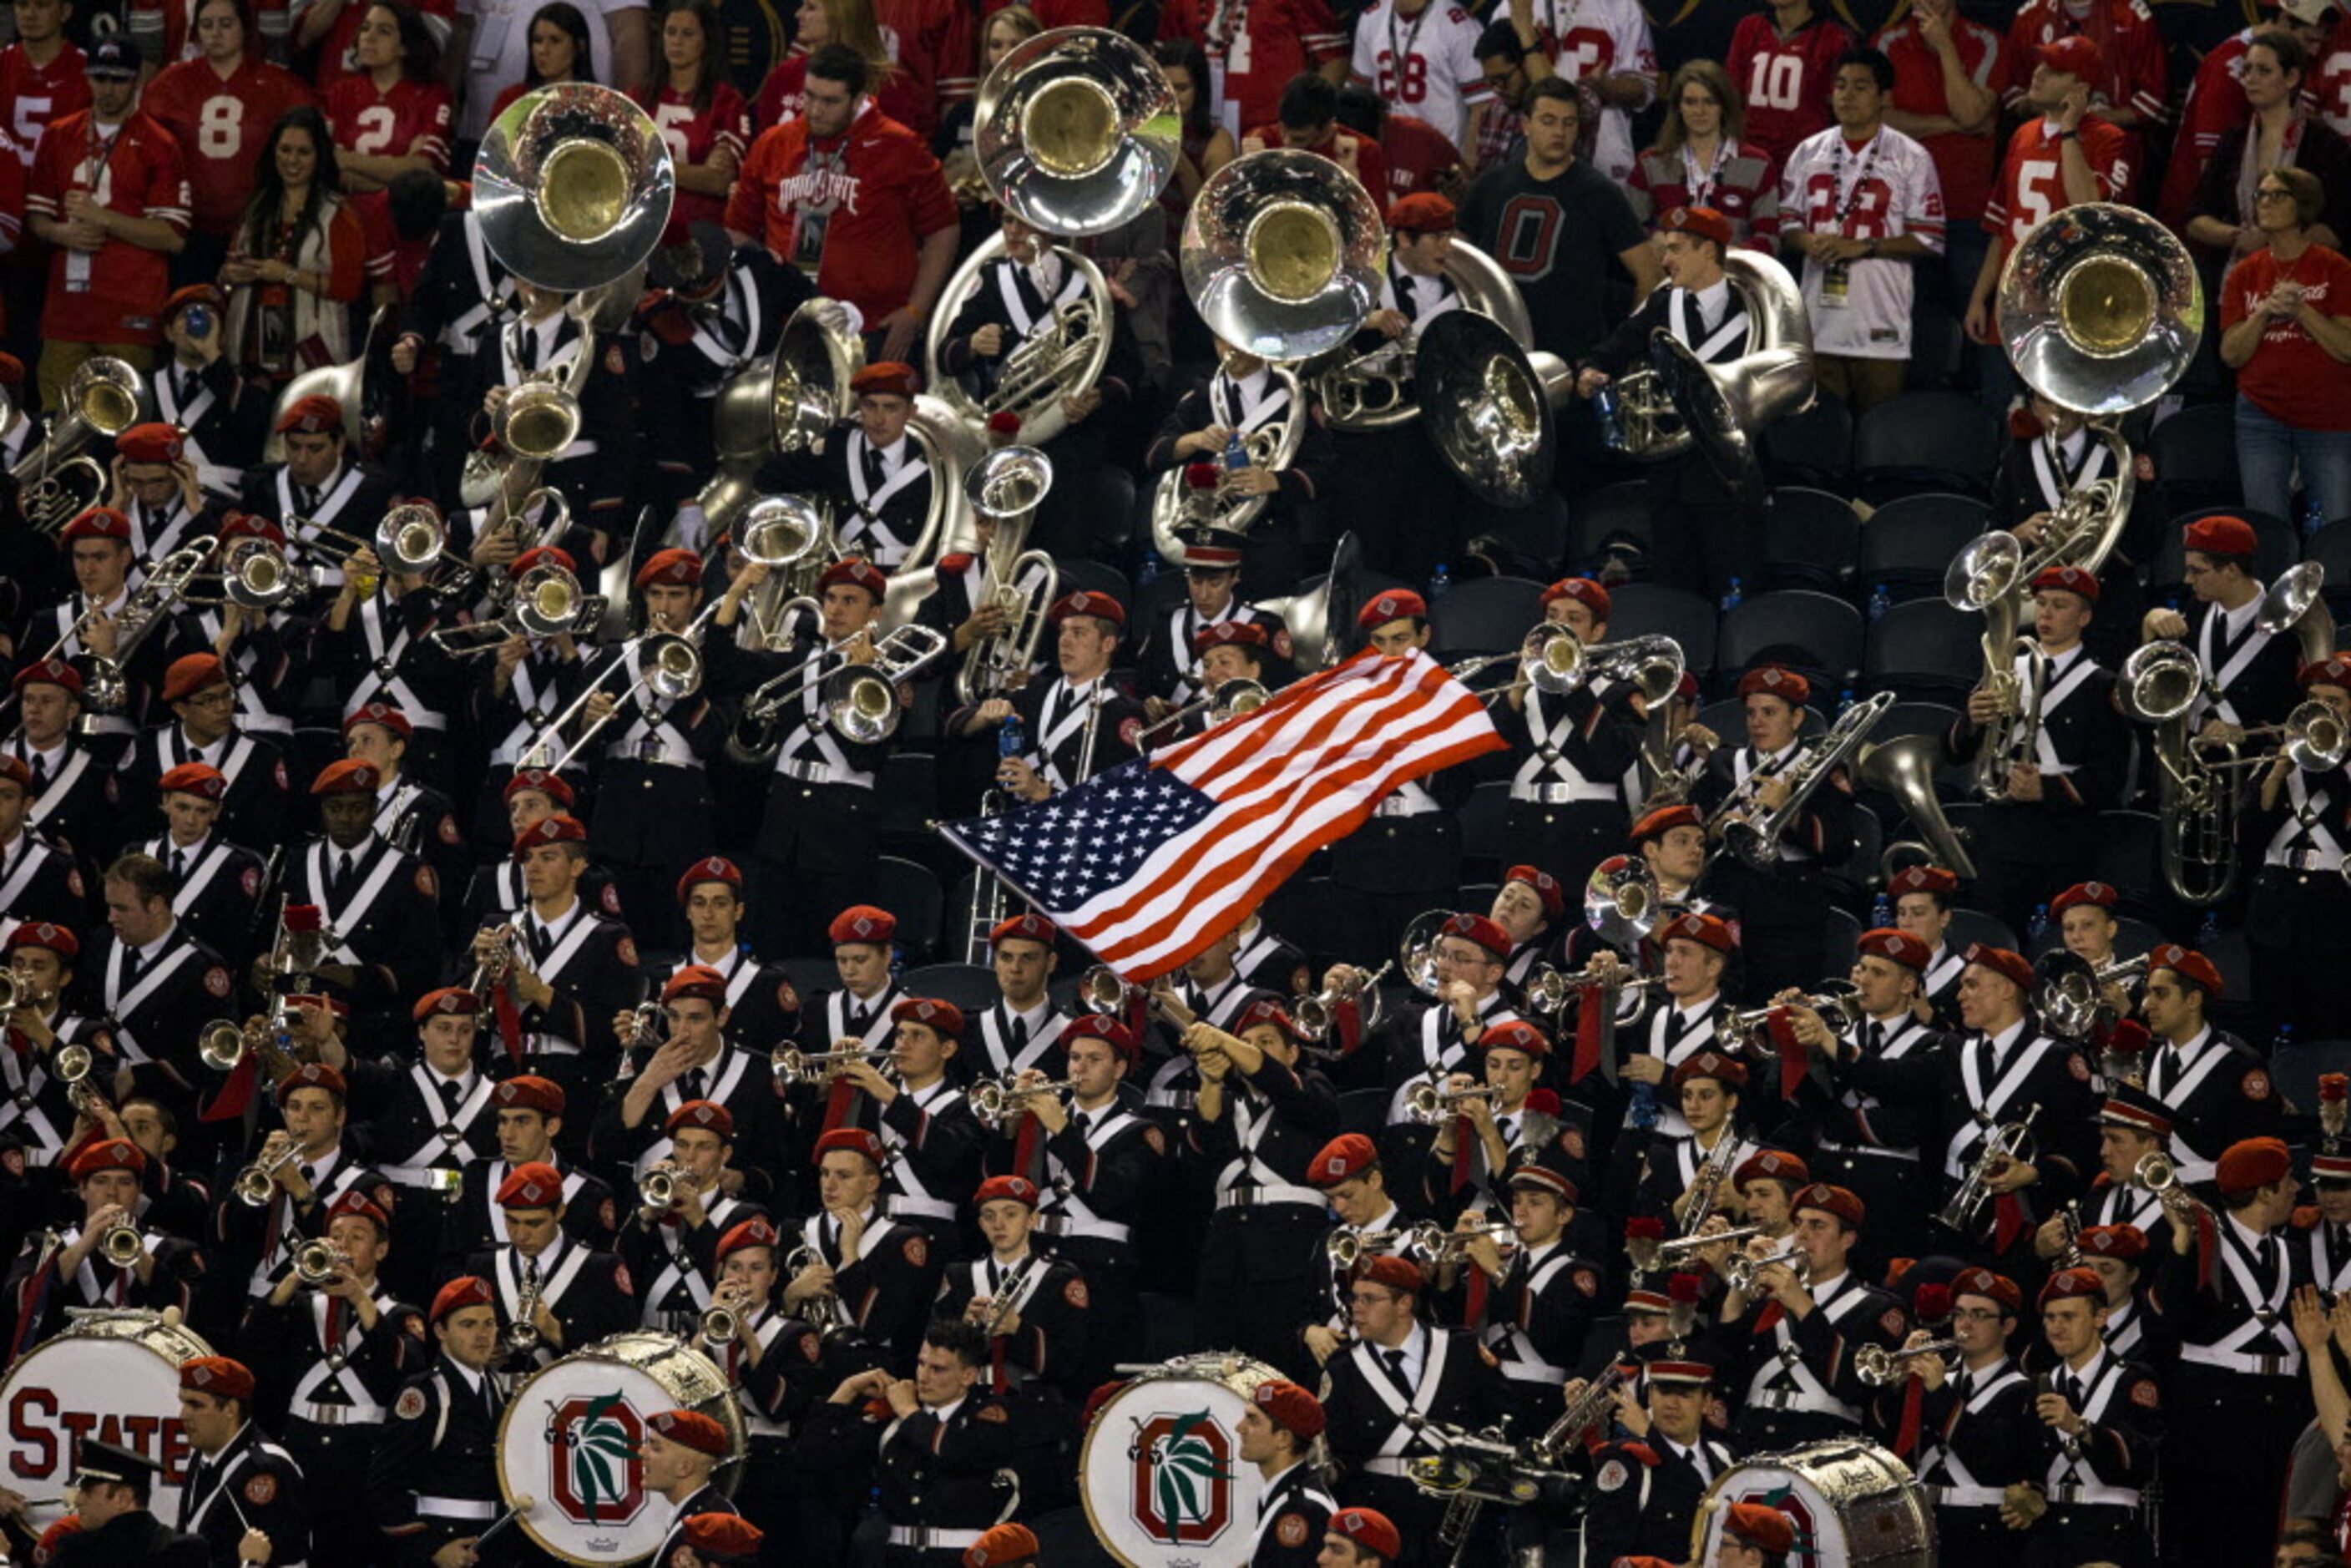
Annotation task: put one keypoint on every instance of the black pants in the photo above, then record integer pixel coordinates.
(334, 1462)
(1254, 1282)
(2228, 1436)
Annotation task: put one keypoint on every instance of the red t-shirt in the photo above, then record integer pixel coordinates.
(936, 43)
(2291, 378)
(2130, 52)
(222, 127)
(31, 95)
(1371, 169)
(1963, 163)
(1254, 48)
(1419, 156)
(114, 294)
(1785, 81)
(886, 193)
(695, 137)
(338, 57)
(12, 203)
(2216, 106)
(2031, 182)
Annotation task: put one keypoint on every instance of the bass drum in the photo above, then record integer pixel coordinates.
(113, 1376)
(1855, 1506)
(569, 1442)
(1161, 1471)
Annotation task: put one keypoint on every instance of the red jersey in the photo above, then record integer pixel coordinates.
(1371, 165)
(114, 294)
(2131, 72)
(2031, 185)
(414, 116)
(855, 212)
(780, 95)
(222, 127)
(933, 43)
(2291, 378)
(12, 200)
(165, 30)
(1254, 48)
(2215, 105)
(1786, 81)
(1418, 157)
(338, 55)
(696, 138)
(2328, 86)
(35, 95)
(1962, 162)
(1739, 181)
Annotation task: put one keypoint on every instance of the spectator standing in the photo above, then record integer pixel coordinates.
(1502, 128)
(166, 32)
(2283, 330)
(495, 39)
(1603, 46)
(220, 105)
(1421, 58)
(2220, 214)
(392, 117)
(700, 113)
(934, 43)
(41, 75)
(1254, 48)
(331, 27)
(298, 261)
(561, 50)
(1948, 73)
(850, 22)
(2127, 82)
(2215, 104)
(1783, 61)
(1702, 158)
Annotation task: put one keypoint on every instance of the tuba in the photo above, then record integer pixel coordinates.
(788, 402)
(1372, 389)
(1282, 254)
(573, 186)
(1063, 358)
(2100, 309)
(1678, 401)
(1491, 405)
(1076, 130)
(1905, 767)
(60, 482)
(1007, 486)
(345, 383)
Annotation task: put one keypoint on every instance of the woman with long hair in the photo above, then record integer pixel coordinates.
(820, 22)
(297, 259)
(997, 35)
(219, 144)
(1206, 145)
(394, 114)
(1700, 161)
(562, 50)
(701, 114)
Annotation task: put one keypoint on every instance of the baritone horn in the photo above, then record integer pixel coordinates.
(104, 397)
(1007, 486)
(1372, 390)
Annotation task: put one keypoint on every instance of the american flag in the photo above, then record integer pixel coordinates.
(1157, 858)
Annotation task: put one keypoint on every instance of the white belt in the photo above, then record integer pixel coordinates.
(457, 1507)
(2277, 1365)
(1797, 1400)
(824, 773)
(1395, 806)
(928, 1207)
(653, 753)
(320, 1414)
(551, 1045)
(1534, 1372)
(2305, 859)
(924, 1539)
(432, 1178)
(266, 724)
(1247, 1195)
(1091, 1229)
(1943, 1496)
(1836, 1148)
(1562, 794)
(2070, 1492)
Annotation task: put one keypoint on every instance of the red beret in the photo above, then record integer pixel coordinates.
(689, 1429)
(2127, 1242)
(1394, 604)
(1229, 635)
(1553, 896)
(1534, 1173)
(1657, 824)
(2252, 1163)
(201, 779)
(154, 442)
(47, 936)
(2189, 965)
(942, 1017)
(1026, 927)
(97, 523)
(381, 713)
(1002, 1546)
(2334, 670)
(1767, 1530)
(356, 1205)
(1106, 1028)
(2067, 1284)
(1007, 1190)
(2074, 55)
(1896, 946)
(313, 1075)
(862, 922)
(886, 377)
(108, 1154)
(677, 567)
(712, 867)
(1397, 1273)
(857, 1141)
(2096, 893)
(12, 370)
(1990, 1286)
(1724, 1069)
(1773, 681)
(49, 673)
(1705, 930)
(247, 526)
(857, 572)
(2009, 966)
(346, 776)
(721, 1534)
(465, 1290)
(1344, 1158)
(1265, 1011)
(1368, 1529)
(696, 980)
(1289, 1407)
(194, 294)
(556, 829)
(543, 779)
(1480, 930)
(449, 1001)
(1772, 1165)
(754, 1231)
(316, 414)
(1837, 1200)
(193, 673)
(1422, 213)
(534, 1185)
(2074, 579)
(704, 1115)
(1922, 879)
(13, 767)
(2218, 535)
(544, 555)
(1703, 222)
(1514, 1034)
(217, 1376)
(528, 1092)
(1085, 601)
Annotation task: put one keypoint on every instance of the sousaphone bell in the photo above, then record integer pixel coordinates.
(2100, 309)
(1283, 255)
(573, 186)
(1076, 130)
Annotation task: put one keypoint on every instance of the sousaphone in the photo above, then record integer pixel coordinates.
(1372, 388)
(1676, 401)
(2100, 309)
(573, 186)
(791, 402)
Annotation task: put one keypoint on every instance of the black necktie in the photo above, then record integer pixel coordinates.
(1876, 1038)
(179, 864)
(40, 772)
(450, 1094)
(308, 497)
(309, 1175)
(340, 888)
(691, 1085)
(530, 1270)
(995, 1275)
(1083, 1123)
(875, 473)
(1019, 1035)
(1395, 1360)
(542, 942)
(131, 962)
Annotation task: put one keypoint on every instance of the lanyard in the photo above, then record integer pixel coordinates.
(1849, 200)
(1698, 188)
(1399, 53)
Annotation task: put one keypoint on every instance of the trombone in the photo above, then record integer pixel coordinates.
(1555, 662)
(1234, 698)
(256, 575)
(995, 1102)
(1651, 1253)
(547, 602)
(669, 664)
(794, 1066)
(410, 542)
(858, 702)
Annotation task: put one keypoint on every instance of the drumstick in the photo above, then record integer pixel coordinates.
(520, 1506)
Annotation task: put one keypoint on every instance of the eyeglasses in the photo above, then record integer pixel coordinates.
(2272, 194)
(1976, 1315)
(1370, 1298)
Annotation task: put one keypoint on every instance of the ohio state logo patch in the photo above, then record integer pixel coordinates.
(410, 1404)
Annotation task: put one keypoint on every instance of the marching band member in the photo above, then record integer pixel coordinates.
(432, 1480)
(770, 1362)
(715, 1539)
(309, 1167)
(681, 1448)
(1402, 1373)
(1525, 906)
(1407, 858)
(1574, 753)
(1696, 951)
(760, 1003)
(2214, 1087)
(2102, 1423)
(542, 340)
(111, 1488)
(1646, 1489)
(1347, 1172)
(151, 977)
(2132, 1124)
(73, 799)
(51, 1278)
(379, 903)
(1211, 987)
(1767, 1184)
(2050, 455)
(1532, 1308)
(268, 651)
(881, 1276)
(862, 1014)
(569, 1295)
(1035, 1307)
(215, 884)
(426, 1117)
(37, 1104)
(1239, 398)
(198, 688)
(1922, 897)
(1670, 841)
(410, 814)
(522, 689)
(379, 649)
(1428, 1041)
(1022, 1028)
(222, 419)
(529, 1111)
(2249, 673)
(673, 1246)
(231, 1461)
(1511, 1121)
(528, 799)
(2087, 927)
(2328, 1224)
(1277, 1433)
(1077, 725)
(1174, 660)
(694, 1063)
(2003, 1073)
(932, 1138)
(882, 480)
(2301, 820)
(1361, 1538)
(319, 484)
(154, 483)
(2115, 1254)
(39, 879)
(1709, 1088)
(1978, 1439)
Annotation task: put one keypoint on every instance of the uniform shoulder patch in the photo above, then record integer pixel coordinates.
(261, 1491)
(787, 998)
(607, 1217)
(249, 880)
(621, 1277)
(73, 880)
(1586, 1281)
(410, 1404)
(1074, 1292)
(279, 770)
(995, 1415)
(1291, 1530)
(916, 1249)
(449, 833)
(217, 981)
(811, 1348)
(1570, 1141)
(2146, 1394)
(1893, 1322)
(2077, 1067)
(1613, 1476)
(1282, 643)
(614, 361)
(610, 900)
(2256, 1084)
(426, 882)
(1156, 1139)
(626, 951)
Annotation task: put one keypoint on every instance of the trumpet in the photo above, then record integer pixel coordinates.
(2156, 1173)
(1315, 1015)
(1742, 1272)
(223, 1045)
(721, 1323)
(1427, 1104)
(1005, 1300)
(121, 1246)
(820, 1312)
(521, 1337)
(1455, 1245)
(72, 1066)
(794, 1066)
(660, 1186)
(316, 1262)
(1344, 1247)
(1650, 1253)
(498, 962)
(1880, 1368)
(995, 1102)
(1840, 1010)
(257, 1181)
(1105, 990)
(1548, 990)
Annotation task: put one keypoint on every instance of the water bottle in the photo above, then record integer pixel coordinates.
(1440, 578)
(2040, 926)
(1236, 454)
(1844, 701)
(1645, 1106)
(1881, 912)
(2282, 1041)
(1881, 599)
(1730, 600)
(198, 320)
(1011, 740)
(2209, 932)
(1604, 412)
(1147, 567)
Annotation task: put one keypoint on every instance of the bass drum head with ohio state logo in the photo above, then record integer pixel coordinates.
(1853, 1504)
(1161, 1471)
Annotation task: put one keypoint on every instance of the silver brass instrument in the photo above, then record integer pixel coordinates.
(2159, 685)
(1075, 130)
(721, 1323)
(1754, 837)
(1006, 1299)
(820, 1312)
(547, 602)
(1623, 903)
(1490, 405)
(1007, 486)
(1343, 1247)
(573, 186)
(316, 1262)
(1880, 1368)
(500, 962)
(58, 482)
(1742, 1272)
(1555, 661)
(1227, 511)
(1650, 1253)
(1282, 254)
(254, 1184)
(72, 1066)
(793, 539)
(1905, 768)
(995, 1102)
(2155, 1173)
(1372, 389)
(660, 1186)
(2100, 309)
(858, 702)
(520, 1336)
(121, 1246)
(1234, 698)
(1317, 1015)
(1706, 1187)
(1589, 1410)
(1427, 1104)
(2005, 1144)
(1455, 1244)
(1062, 356)
(669, 665)
(791, 402)
(1752, 1029)
(1416, 950)
(794, 1066)
(255, 574)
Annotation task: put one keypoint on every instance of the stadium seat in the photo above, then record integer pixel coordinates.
(1815, 447)
(1477, 895)
(809, 976)
(1483, 615)
(2295, 1067)
(912, 892)
(1110, 503)
(1363, 1111)
(1530, 539)
(1808, 541)
(971, 987)
(2195, 457)
(1619, 508)
(2128, 859)
(1817, 634)
(1926, 651)
(1969, 926)
(1066, 1539)
(1645, 608)
(1097, 577)
(1840, 935)
(1909, 543)
(1924, 441)
(2276, 547)
(1938, 343)
(2330, 546)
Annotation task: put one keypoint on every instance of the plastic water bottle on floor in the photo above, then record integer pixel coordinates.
(2040, 926)
(1881, 912)
(2209, 932)
(1881, 599)
(1730, 600)
(1440, 579)
(1643, 1112)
